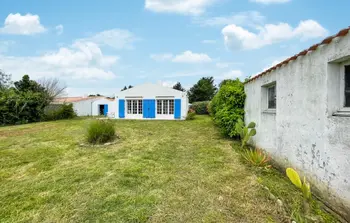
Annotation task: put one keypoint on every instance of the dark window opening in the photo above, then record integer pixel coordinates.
(347, 86)
(101, 109)
(271, 95)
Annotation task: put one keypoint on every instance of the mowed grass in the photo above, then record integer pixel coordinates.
(159, 171)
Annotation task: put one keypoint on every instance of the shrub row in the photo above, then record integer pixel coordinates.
(58, 112)
(201, 107)
(227, 106)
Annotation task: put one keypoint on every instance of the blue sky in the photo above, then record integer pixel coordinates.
(100, 46)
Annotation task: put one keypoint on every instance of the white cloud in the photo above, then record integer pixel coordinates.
(310, 29)
(190, 57)
(81, 60)
(185, 57)
(115, 38)
(209, 41)
(237, 38)
(161, 57)
(167, 83)
(266, 2)
(86, 91)
(59, 29)
(187, 7)
(233, 74)
(79, 54)
(251, 18)
(22, 25)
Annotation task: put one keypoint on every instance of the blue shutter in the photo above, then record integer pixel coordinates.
(152, 108)
(145, 108)
(177, 113)
(121, 108)
(105, 110)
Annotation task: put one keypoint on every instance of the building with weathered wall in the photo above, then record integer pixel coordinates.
(302, 111)
(89, 106)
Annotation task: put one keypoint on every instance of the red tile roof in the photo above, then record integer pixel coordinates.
(328, 40)
(72, 99)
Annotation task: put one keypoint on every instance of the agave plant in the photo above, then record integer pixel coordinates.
(256, 157)
(245, 132)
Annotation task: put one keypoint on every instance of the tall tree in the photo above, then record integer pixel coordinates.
(124, 88)
(23, 103)
(25, 85)
(203, 90)
(178, 87)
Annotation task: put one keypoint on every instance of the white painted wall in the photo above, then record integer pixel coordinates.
(152, 91)
(90, 107)
(102, 101)
(83, 108)
(303, 132)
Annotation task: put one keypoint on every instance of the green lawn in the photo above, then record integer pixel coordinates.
(159, 171)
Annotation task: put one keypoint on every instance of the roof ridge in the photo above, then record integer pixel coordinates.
(327, 40)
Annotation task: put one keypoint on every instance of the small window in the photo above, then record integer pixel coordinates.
(165, 107)
(171, 107)
(271, 97)
(347, 86)
(140, 106)
(159, 107)
(128, 106)
(134, 107)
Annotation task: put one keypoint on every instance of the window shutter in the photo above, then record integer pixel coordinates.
(121, 108)
(177, 113)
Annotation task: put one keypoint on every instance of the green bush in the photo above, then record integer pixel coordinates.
(100, 131)
(64, 111)
(191, 115)
(201, 107)
(227, 106)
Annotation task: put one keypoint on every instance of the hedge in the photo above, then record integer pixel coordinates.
(201, 107)
(227, 106)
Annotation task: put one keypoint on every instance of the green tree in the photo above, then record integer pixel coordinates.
(203, 90)
(178, 87)
(130, 86)
(23, 103)
(124, 88)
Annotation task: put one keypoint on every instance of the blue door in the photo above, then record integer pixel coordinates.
(177, 113)
(105, 110)
(121, 108)
(149, 108)
(152, 110)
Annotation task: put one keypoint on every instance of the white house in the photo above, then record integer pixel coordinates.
(92, 106)
(151, 101)
(302, 110)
